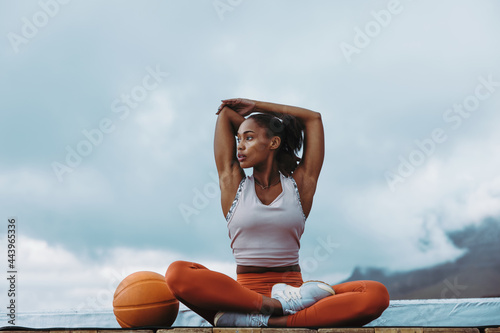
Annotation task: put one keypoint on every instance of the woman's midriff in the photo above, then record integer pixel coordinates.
(256, 269)
(263, 282)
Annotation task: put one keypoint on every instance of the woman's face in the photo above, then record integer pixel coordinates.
(253, 145)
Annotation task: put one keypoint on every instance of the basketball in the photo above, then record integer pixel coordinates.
(144, 299)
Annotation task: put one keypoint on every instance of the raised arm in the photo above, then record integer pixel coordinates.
(314, 145)
(228, 168)
(307, 172)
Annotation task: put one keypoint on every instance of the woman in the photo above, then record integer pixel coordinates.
(266, 213)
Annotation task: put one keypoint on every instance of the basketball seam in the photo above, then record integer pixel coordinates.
(120, 321)
(138, 282)
(168, 302)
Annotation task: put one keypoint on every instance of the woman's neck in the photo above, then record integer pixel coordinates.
(267, 176)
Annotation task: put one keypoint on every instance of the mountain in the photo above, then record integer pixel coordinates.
(475, 274)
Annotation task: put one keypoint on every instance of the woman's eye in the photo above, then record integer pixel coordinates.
(249, 138)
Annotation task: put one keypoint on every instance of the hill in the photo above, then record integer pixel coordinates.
(475, 274)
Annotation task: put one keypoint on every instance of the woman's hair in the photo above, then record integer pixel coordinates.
(289, 130)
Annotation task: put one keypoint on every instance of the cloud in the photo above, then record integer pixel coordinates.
(41, 190)
(407, 229)
(53, 278)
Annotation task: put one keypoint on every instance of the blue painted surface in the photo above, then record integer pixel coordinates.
(472, 312)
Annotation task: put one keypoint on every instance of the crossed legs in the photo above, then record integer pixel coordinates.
(207, 292)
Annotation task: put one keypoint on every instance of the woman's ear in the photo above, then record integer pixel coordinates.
(275, 142)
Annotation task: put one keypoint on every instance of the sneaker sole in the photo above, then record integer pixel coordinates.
(217, 317)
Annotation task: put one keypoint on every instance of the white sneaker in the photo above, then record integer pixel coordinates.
(235, 319)
(294, 299)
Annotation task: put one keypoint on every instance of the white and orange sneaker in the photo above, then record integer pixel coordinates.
(236, 319)
(294, 299)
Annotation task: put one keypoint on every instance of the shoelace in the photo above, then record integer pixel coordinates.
(248, 319)
(292, 296)
(291, 293)
(258, 320)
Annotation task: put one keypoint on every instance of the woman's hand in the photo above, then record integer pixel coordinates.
(242, 106)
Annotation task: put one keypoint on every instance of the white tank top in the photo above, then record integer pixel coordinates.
(266, 235)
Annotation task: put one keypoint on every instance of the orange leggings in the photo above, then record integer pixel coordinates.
(207, 292)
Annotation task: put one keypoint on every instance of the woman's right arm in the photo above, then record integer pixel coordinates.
(228, 167)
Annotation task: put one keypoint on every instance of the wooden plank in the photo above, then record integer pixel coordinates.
(287, 330)
(186, 330)
(492, 330)
(347, 330)
(450, 330)
(237, 330)
(399, 330)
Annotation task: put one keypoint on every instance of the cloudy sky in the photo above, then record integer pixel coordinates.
(108, 113)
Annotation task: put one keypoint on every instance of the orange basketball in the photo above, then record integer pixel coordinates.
(144, 299)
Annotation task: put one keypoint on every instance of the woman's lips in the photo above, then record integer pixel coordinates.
(241, 157)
